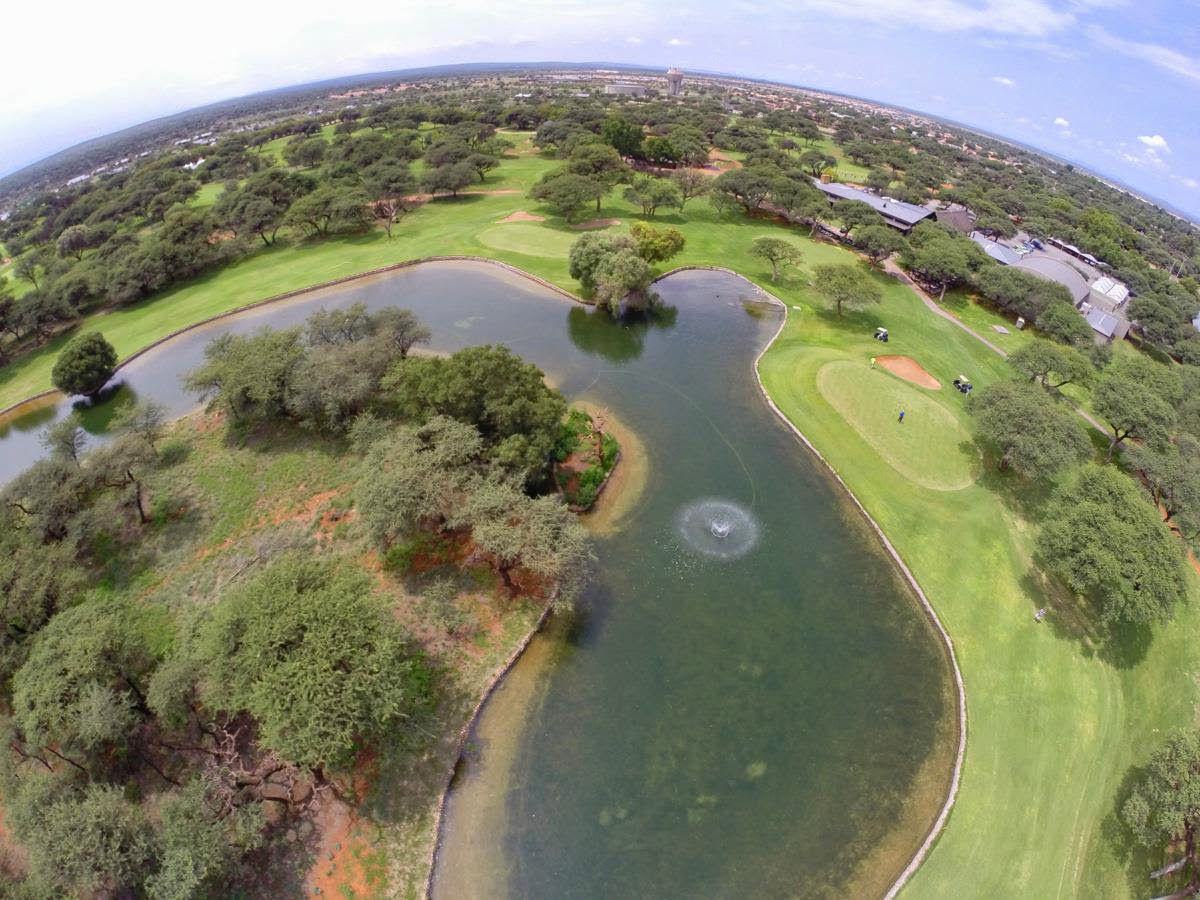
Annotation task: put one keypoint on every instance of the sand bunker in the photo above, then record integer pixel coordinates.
(910, 370)
(521, 216)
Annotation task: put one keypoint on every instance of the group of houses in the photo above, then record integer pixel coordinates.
(1099, 297)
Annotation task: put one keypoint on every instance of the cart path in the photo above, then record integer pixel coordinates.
(892, 268)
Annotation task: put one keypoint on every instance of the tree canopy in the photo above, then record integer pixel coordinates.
(845, 286)
(85, 365)
(1034, 436)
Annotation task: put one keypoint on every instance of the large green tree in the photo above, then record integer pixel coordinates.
(1054, 365)
(1032, 434)
(1163, 806)
(778, 252)
(85, 365)
(305, 648)
(1105, 539)
(845, 286)
(1137, 397)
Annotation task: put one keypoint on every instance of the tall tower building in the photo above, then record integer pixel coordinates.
(674, 82)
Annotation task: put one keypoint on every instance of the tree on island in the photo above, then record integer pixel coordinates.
(846, 287)
(777, 252)
(85, 365)
(1105, 539)
(1034, 436)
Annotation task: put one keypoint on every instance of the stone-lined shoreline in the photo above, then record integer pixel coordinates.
(498, 676)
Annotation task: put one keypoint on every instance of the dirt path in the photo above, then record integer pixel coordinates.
(890, 266)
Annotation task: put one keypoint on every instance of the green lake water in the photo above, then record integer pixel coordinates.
(777, 724)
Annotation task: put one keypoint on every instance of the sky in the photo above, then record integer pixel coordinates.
(1112, 84)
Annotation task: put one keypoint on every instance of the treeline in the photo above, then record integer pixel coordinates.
(162, 750)
(122, 238)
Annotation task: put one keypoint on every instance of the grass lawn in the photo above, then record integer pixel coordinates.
(208, 194)
(1054, 722)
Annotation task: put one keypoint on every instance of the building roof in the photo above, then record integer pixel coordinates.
(1052, 270)
(957, 217)
(1072, 249)
(1111, 288)
(1102, 322)
(1005, 255)
(908, 213)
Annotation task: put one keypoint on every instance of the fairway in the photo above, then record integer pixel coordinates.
(528, 238)
(929, 448)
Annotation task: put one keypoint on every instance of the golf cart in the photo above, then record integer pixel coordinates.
(964, 386)
(881, 334)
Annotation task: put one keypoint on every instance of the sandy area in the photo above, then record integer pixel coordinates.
(595, 223)
(521, 216)
(909, 369)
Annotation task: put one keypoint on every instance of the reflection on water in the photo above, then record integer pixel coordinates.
(594, 332)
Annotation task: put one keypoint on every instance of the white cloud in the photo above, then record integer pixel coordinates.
(1189, 183)
(1021, 18)
(633, 39)
(1061, 122)
(1155, 142)
(1155, 54)
(1004, 80)
(677, 42)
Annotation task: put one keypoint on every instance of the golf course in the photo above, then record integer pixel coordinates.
(1055, 717)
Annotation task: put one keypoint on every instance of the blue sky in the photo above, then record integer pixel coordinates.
(1114, 84)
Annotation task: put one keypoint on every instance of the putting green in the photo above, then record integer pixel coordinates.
(530, 238)
(930, 448)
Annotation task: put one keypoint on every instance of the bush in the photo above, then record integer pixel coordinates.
(85, 365)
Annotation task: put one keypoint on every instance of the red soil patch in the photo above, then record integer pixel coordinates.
(595, 223)
(720, 161)
(521, 216)
(305, 512)
(342, 843)
(910, 370)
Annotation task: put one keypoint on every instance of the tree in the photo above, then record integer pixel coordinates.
(1034, 436)
(401, 328)
(1136, 396)
(448, 179)
(940, 258)
(73, 241)
(1060, 320)
(66, 439)
(777, 252)
(198, 843)
(26, 268)
(482, 163)
(622, 135)
(331, 206)
(87, 843)
(1108, 543)
(249, 374)
(81, 692)
(1163, 806)
(660, 151)
(85, 365)
(539, 535)
(1055, 365)
(1171, 474)
(878, 180)
(307, 650)
(415, 477)
(656, 245)
(493, 389)
(691, 184)
(389, 183)
(622, 277)
(587, 253)
(854, 214)
(845, 286)
(879, 242)
(650, 193)
(566, 193)
(815, 162)
(741, 187)
(304, 153)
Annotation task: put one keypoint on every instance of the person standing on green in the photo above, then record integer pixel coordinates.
(901, 419)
